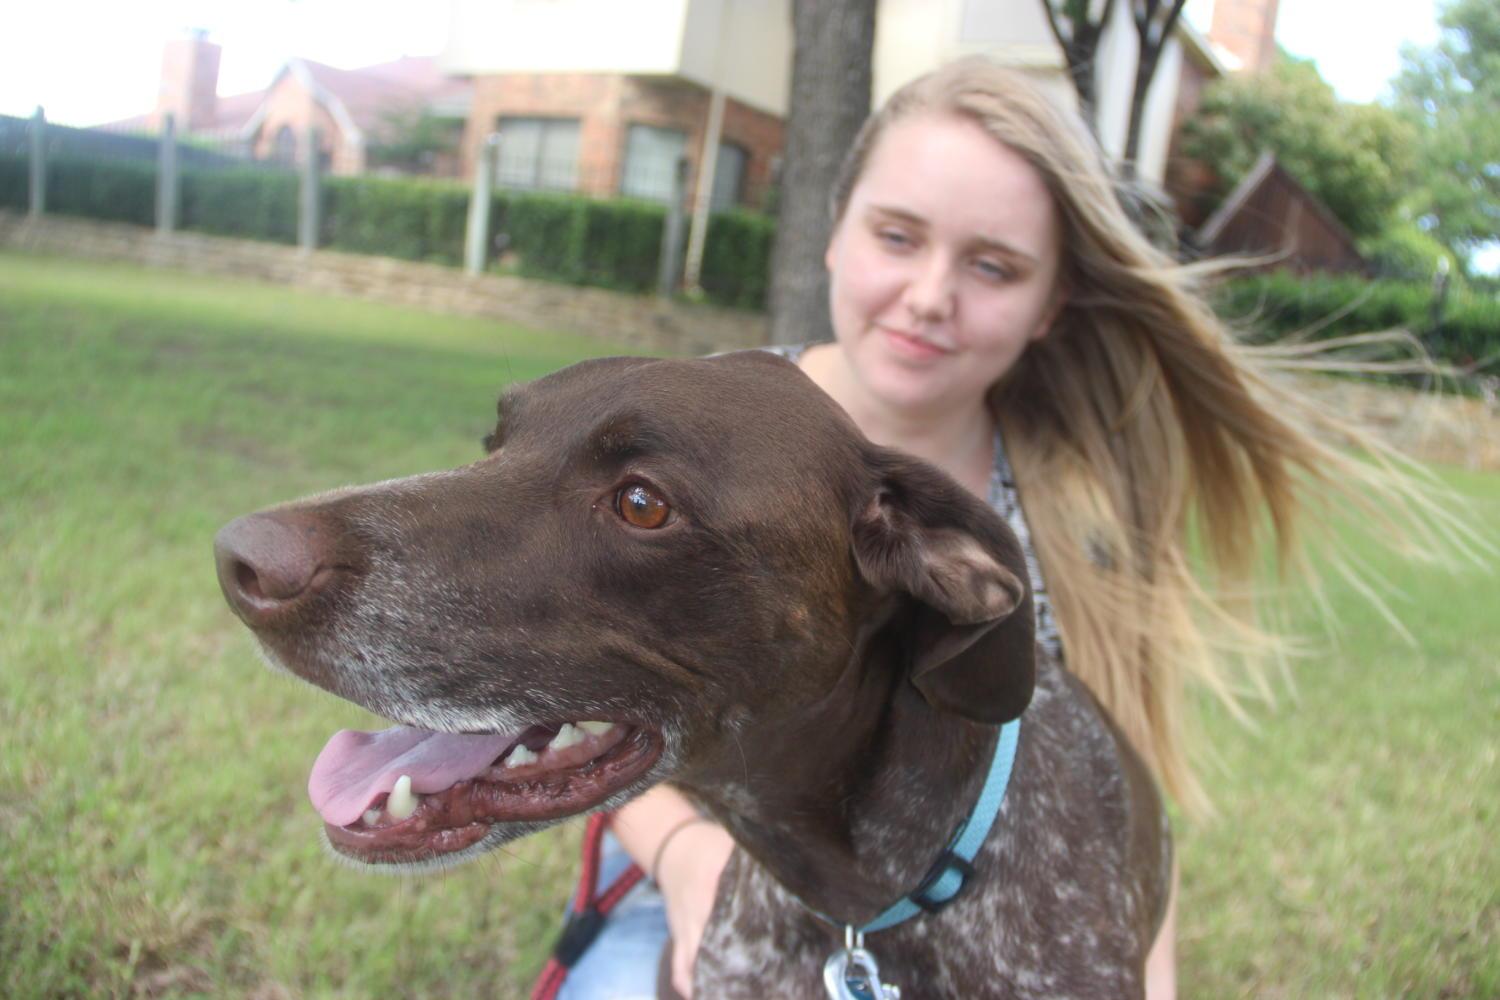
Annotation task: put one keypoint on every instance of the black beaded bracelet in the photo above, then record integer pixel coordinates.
(662, 847)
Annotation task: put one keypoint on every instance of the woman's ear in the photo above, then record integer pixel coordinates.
(1055, 306)
(971, 643)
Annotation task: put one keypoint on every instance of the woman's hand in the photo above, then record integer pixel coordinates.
(686, 853)
(688, 877)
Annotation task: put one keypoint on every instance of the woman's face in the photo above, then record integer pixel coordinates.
(944, 265)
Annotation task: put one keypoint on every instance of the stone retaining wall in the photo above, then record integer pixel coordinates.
(635, 322)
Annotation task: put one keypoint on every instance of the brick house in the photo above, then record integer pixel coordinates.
(614, 133)
(348, 107)
(607, 108)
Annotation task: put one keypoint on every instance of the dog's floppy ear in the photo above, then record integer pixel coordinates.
(972, 636)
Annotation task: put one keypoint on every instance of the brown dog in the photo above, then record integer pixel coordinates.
(701, 572)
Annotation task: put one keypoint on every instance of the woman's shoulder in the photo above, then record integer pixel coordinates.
(792, 352)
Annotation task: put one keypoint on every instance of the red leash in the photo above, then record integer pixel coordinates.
(590, 907)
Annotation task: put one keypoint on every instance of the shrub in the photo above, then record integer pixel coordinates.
(622, 243)
(546, 232)
(116, 191)
(252, 203)
(397, 217)
(610, 243)
(15, 182)
(1404, 252)
(1278, 304)
(737, 259)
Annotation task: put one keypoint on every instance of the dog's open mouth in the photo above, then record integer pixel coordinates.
(406, 794)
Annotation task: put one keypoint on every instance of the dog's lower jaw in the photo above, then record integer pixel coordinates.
(651, 758)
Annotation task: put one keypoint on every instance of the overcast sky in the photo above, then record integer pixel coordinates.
(91, 61)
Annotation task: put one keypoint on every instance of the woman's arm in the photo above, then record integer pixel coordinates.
(685, 853)
(1161, 964)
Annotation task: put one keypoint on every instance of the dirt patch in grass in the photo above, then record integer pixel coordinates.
(251, 450)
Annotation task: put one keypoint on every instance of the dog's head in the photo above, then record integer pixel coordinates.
(651, 555)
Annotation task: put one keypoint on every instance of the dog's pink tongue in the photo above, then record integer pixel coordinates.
(355, 768)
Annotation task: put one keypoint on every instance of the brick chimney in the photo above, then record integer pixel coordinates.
(1246, 28)
(189, 81)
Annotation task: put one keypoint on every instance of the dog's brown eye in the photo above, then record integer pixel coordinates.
(641, 507)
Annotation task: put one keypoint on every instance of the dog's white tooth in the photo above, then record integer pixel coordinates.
(566, 737)
(401, 803)
(372, 816)
(596, 728)
(520, 755)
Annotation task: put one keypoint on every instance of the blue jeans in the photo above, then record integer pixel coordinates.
(621, 964)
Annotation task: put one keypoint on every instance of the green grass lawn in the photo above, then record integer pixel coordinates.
(155, 837)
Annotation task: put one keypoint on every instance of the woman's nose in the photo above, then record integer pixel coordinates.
(930, 293)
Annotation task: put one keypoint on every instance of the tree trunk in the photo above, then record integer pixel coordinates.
(1154, 25)
(1133, 129)
(829, 100)
(1078, 35)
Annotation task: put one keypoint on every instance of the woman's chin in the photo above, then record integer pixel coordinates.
(916, 392)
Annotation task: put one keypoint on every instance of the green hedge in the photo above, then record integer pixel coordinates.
(737, 259)
(251, 203)
(583, 241)
(117, 191)
(1276, 305)
(622, 242)
(609, 243)
(15, 181)
(396, 217)
(617, 244)
(546, 231)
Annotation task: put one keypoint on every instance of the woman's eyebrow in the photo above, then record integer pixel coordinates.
(898, 213)
(982, 242)
(1008, 249)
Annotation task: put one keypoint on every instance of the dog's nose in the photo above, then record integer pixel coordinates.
(272, 563)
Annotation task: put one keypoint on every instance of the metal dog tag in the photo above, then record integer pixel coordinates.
(851, 974)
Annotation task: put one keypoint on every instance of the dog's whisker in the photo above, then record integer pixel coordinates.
(744, 760)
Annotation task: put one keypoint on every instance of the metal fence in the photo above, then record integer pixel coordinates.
(204, 182)
(217, 185)
(139, 145)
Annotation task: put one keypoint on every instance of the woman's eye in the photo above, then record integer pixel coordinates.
(992, 270)
(894, 238)
(641, 508)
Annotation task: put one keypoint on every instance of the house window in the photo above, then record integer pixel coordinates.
(284, 149)
(538, 153)
(729, 177)
(651, 156)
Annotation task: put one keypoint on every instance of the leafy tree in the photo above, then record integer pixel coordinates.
(410, 138)
(1405, 251)
(1452, 92)
(1355, 158)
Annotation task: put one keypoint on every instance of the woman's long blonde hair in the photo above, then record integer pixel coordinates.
(1144, 438)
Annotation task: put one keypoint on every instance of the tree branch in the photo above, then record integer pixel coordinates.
(1052, 22)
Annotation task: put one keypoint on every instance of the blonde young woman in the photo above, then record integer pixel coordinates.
(997, 314)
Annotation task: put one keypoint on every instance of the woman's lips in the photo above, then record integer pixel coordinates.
(911, 346)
